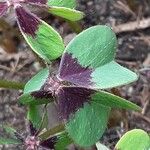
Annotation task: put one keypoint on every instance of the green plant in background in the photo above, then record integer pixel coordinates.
(135, 139)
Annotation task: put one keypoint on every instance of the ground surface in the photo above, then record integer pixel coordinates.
(133, 52)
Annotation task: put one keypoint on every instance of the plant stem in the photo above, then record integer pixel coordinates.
(52, 131)
(11, 85)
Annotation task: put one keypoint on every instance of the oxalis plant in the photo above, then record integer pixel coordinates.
(77, 89)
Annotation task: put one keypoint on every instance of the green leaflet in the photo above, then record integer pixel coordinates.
(35, 84)
(112, 75)
(34, 115)
(37, 81)
(95, 49)
(47, 44)
(62, 3)
(88, 124)
(136, 138)
(113, 101)
(67, 13)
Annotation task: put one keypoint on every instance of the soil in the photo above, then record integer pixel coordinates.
(133, 52)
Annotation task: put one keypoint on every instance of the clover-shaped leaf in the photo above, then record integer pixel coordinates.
(87, 66)
(92, 54)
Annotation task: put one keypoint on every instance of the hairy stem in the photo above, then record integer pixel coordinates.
(11, 85)
(52, 131)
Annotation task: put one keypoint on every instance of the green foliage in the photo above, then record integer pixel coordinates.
(67, 13)
(33, 85)
(113, 101)
(136, 138)
(37, 81)
(95, 48)
(34, 115)
(28, 99)
(48, 44)
(88, 124)
(62, 3)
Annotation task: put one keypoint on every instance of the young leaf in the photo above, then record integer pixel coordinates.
(62, 3)
(3, 8)
(4, 141)
(41, 37)
(67, 13)
(134, 138)
(88, 60)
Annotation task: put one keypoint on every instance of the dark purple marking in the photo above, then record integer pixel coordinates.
(70, 70)
(49, 143)
(32, 129)
(3, 8)
(37, 2)
(42, 94)
(27, 21)
(70, 99)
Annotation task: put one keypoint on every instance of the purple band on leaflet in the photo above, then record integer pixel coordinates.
(72, 71)
(32, 129)
(42, 94)
(27, 21)
(49, 143)
(70, 99)
(37, 1)
(3, 8)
